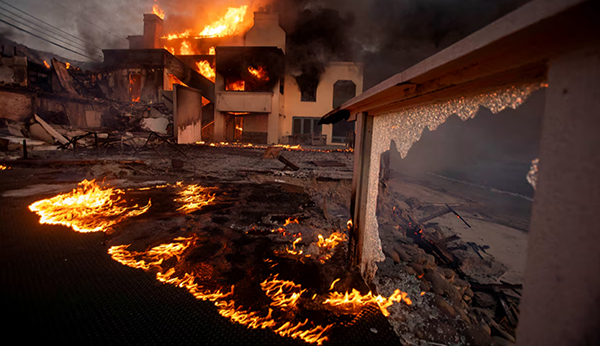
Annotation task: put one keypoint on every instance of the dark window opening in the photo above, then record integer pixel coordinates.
(135, 87)
(308, 87)
(343, 90)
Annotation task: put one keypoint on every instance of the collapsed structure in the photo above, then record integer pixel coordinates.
(214, 87)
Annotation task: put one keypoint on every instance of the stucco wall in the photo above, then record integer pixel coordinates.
(294, 107)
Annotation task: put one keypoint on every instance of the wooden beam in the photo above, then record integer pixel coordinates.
(360, 183)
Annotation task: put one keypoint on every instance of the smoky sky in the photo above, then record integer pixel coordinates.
(387, 35)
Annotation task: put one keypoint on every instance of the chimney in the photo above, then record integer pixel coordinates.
(266, 31)
(153, 26)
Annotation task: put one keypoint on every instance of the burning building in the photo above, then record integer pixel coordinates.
(256, 100)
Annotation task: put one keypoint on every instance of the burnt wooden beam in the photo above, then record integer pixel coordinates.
(288, 163)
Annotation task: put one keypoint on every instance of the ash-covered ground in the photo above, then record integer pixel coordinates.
(240, 239)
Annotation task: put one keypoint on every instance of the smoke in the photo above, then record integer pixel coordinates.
(387, 35)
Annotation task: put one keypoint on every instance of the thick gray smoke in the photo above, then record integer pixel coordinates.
(388, 35)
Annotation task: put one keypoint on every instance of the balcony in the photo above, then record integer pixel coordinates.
(236, 101)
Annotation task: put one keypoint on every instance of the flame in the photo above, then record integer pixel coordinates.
(284, 146)
(293, 250)
(290, 221)
(285, 294)
(186, 49)
(211, 51)
(260, 73)
(68, 65)
(88, 208)
(236, 86)
(170, 49)
(176, 80)
(193, 197)
(154, 257)
(333, 283)
(206, 70)
(158, 11)
(288, 329)
(227, 25)
(3, 167)
(356, 300)
(332, 241)
(46, 64)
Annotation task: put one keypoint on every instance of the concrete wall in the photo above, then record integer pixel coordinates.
(234, 101)
(15, 106)
(294, 107)
(187, 121)
(13, 71)
(266, 31)
(561, 297)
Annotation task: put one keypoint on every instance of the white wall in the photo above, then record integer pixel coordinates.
(294, 107)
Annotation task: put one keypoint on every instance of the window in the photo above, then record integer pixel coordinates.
(343, 90)
(308, 87)
(305, 126)
(135, 87)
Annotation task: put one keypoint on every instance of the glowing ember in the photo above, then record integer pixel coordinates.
(193, 197)
(293, 250)
(227, 25)
(158, 11)
(290, 221)
(204, 68)
(284, 146)
(333, 284)
(68, 65)
(285, 294)
(88, 208)
(46, 64)
(3, 167)
(355, 300)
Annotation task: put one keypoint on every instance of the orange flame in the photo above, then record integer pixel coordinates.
(3, 167)
(211, 51)
(158, 11)
(88, 208)
(193, 197)
(260, 73)
(285, 294)
(290, 221)
(186, 49)
(46, 64)
(227, 25)
(206, 70)
(154, 257)
(332, 241)
(355, 300)
(236, 86)
(68, 65)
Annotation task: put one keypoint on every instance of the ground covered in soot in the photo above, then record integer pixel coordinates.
(264, 254)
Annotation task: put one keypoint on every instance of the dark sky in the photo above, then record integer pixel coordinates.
(388, 35)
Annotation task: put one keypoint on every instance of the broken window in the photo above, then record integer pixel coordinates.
(135, 87)
(308, 87)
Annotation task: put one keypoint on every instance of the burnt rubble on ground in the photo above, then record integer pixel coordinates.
(451, 283)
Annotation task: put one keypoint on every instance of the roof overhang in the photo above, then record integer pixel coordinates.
(513, 49)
